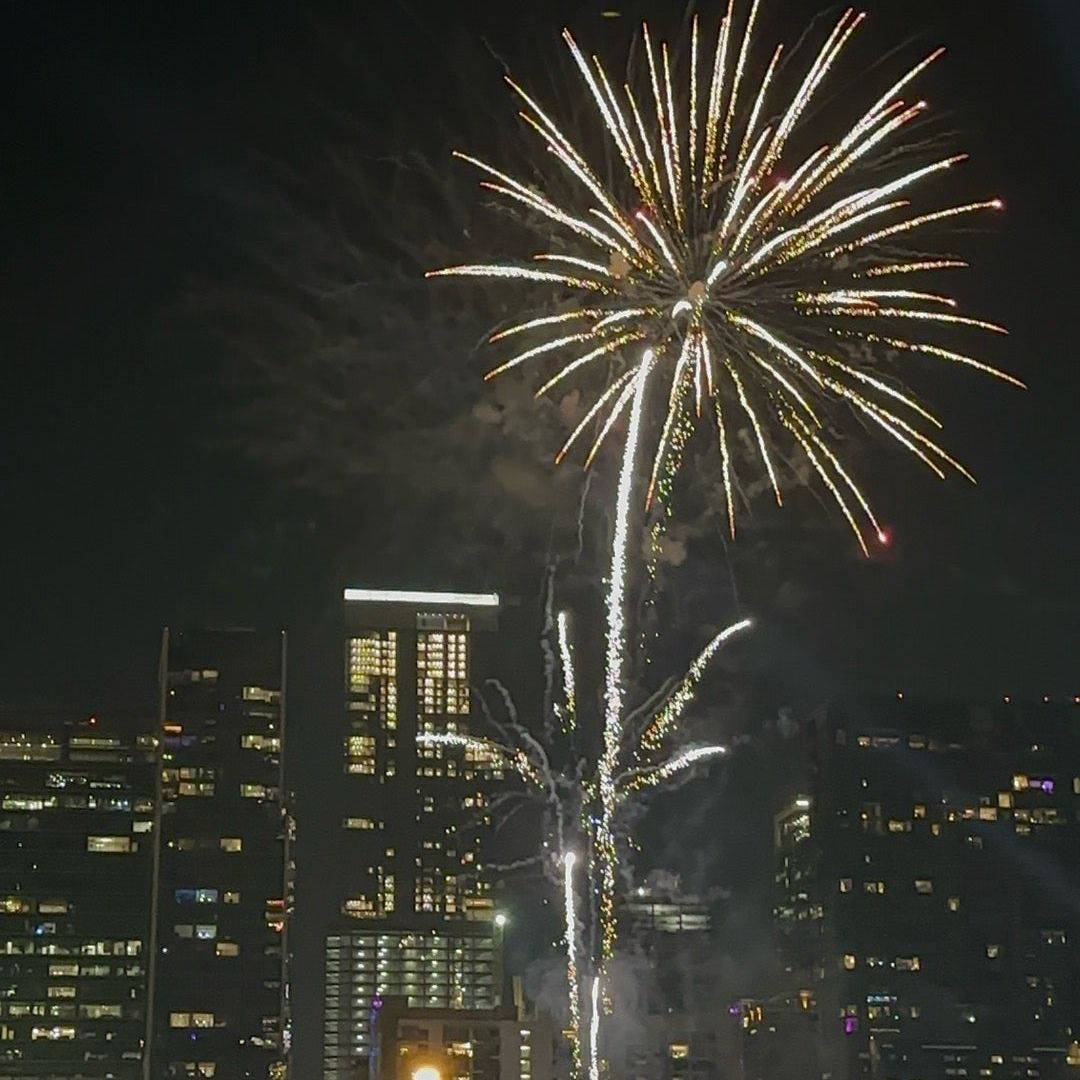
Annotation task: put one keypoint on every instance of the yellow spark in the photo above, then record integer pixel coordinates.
(916, 222)
(792, 424)
(538, 350)
(606, 349)
(725, 465)
(787, 385)
(914, 267)
(763, 334)
(748, 409)
(716, 90)
(591, 415)
(733, 99)
(926, 316)
(545, 320)
(714, 242)
(959, 358)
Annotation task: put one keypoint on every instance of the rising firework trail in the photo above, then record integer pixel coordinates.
(759, 255)
(570, 934)
(586, 802)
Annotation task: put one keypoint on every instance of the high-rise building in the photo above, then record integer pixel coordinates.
(220, 979)
(76, 845)
(414, 910)
(507, 1043)
(928, 880)
(672, 1025)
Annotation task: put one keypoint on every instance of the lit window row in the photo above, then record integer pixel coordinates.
(191, 1019)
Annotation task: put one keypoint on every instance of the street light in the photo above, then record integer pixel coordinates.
(427, 1072)
(500, 922)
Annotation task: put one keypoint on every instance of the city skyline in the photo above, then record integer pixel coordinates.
(238, 411)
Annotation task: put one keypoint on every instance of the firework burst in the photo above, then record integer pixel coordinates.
(765, 273)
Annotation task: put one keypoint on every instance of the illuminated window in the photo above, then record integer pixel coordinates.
(1005, 799)
(875, 887)
(360, 823)
(935, 828)
(897, 826)
(1020, 783)
(179, 1019)
(849, 961)
(184, 930)
(908, 963)
(360, 754)
(202, 1019)
(231, 898)
(64, 968)
(924, 886)
(232, 843)
(205, 931)
(206, 896)
(845, 884)
(200, 789)
(679, 1051)
(57, 1033)
(252, 791)
(954, 903)
(1055, 937)
(101, 1012)
(993, 952)
(919, 811)
(109, 844)
(14, 905)
(227, 948)
(61, 991)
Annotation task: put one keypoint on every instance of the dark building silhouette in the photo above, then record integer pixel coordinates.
(512, 1042)
(929, 877)
(414, 915)
(665, 986)
(76, 847)
(220, 980)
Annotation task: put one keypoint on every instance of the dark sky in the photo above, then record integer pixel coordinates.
(133, 132)
(139, 141)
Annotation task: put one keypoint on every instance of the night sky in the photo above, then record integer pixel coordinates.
(141, 142)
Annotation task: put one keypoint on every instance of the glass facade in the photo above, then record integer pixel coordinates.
(411, 819)
(455, 968)
(224, 894)
(76, 844)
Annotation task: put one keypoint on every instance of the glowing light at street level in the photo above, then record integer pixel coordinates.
(770, 287)
(427, 1072)
(407, 596)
